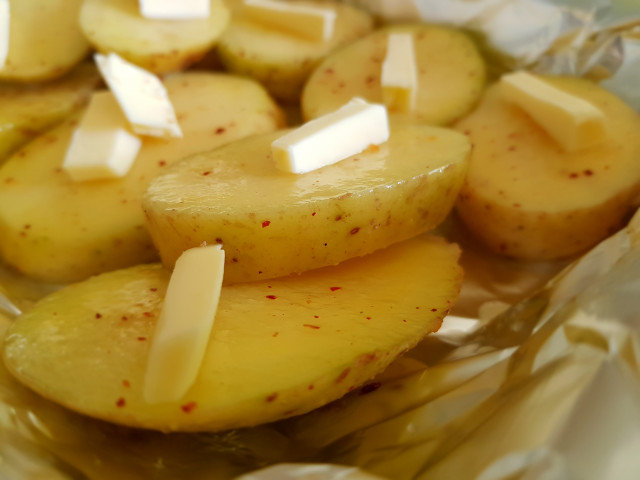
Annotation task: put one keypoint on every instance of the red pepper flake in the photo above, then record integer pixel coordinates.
(218, 240)
(316, 316)
(434, 309)
(271, 297)
(266, 223)
(124, 318)
(573, 175)
(368, 318)
(370, 79)
(310, 387)
(161, 163)
(417, 308)
(404, 320)
(27, 226)
(272, 397)
(98, 315)
(315, 327)
(343, 375)
(275, 334)
(234, 259)
(147, 314)
(220, 130)
(126, 383)
(338, 218)
(313, 214)
(153, 289)
(142, 339)
(373, 148)
(370, 387)
(121, 402)
(188, 407)
(354, 230)
(333, 289)
(588, 172)
(206, 173)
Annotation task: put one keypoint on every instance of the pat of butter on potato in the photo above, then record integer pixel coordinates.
(182, 333)
(310, 22)
(141, 95)
(174, 10)
(4, 31)
(102, 146)
(399, 77)
(572, 122)
(333, 137)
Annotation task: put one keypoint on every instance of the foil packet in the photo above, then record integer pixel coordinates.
(535, 375)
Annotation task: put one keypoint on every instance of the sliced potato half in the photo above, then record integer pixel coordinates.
(451, 74)
(283, 61)
(58, 230)
(526, 197)
(45, 40)
(160, 46)
(26, 110)
(273, 223)
(278, 348)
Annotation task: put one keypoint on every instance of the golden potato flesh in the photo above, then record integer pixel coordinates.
(282, 61)
(278, 348)
(526, 197)
(45, 40)
(27, 110)
(160, 46)
(58, 230)
(273, 223)
(451, 74)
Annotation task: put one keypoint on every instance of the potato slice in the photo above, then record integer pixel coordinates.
(278, 348)
(58, 230)
(273, 223)
(282, 61)
(28, 110)
(528, 198)
(451, 74)
(45, 40)
(160, 46)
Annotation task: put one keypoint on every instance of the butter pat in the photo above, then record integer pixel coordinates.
(175, 9)
(141, 95)
(102, 146)
(399, 77)
(313, 23)
(571, 121)
(4, 31)
(182, 333)
(331, 138)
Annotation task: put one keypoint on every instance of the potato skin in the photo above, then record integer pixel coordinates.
(273, 224)
(525, 197)
(280, 61)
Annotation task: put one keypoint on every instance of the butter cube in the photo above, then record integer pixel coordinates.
(141, 96)
(182, 333)
(310, 22)
(331, 138)
(4, 31)
(571, 121)
(102, 146)
(399, 77)
(175, 9)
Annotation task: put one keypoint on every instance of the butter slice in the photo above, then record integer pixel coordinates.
(4, 31)
(399, 73)
(182, 333)
(311, 22)
(141, 95)
(175, 9)
(102, 146)
(571, 121)
(331, 138)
